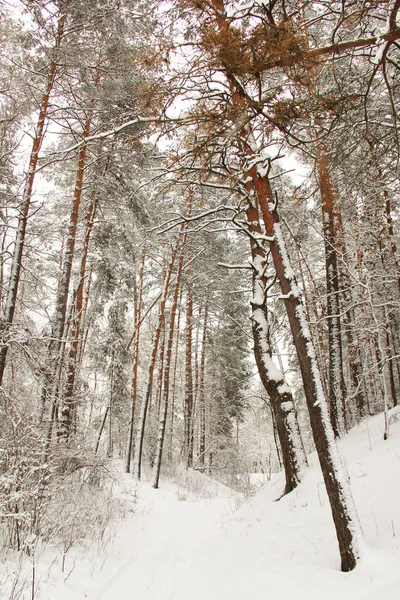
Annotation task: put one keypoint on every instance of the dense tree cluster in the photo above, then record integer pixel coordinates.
(152, 236)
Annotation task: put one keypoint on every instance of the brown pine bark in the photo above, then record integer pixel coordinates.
(16, 264)
(59, 322)
(340, 498)
(68, 412)
(57, 343)
(174, 378)
(341, 502)
(281, 398)
(63, 290)
(153, 357)
(329, 228)
(167, 371)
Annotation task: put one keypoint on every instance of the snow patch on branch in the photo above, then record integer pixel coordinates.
(287, 406)
(284, 388)
(264, 238)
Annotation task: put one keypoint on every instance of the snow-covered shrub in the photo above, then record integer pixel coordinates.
(192, 484)
(60, 496)
(79, 509)
(22, 477)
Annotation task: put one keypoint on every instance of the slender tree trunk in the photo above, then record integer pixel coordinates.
(69, 401)
(188, 405)
(2, 254)
(147, 394)
(59, 321)
(387, 214)
(349, 322)
(388, 250)
(196, 358)
(85, 323)
(103, 422)
(310, 304)
(136, 339)
(168, 362)
(381, 357)
(63, 290)
(202, 396)
(173, 390)
(329, 227)
(160, 374)
(16, 263)
(389, 351)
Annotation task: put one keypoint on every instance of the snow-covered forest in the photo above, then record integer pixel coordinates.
(199, 299)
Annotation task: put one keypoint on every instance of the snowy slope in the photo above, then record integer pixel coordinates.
(174, 547)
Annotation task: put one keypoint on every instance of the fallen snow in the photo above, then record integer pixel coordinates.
(174, 546)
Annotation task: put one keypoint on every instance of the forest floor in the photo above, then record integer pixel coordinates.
(199, 540)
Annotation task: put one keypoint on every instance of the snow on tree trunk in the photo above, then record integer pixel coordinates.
(341, 501)
(342, 506)
(281, 398)
(336, 377)
(202, 398)
(188, 403)
(349, 321)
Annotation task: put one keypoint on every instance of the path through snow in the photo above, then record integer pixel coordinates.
(173, 546)
(166, 556)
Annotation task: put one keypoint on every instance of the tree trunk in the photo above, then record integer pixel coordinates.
(160, 375)
(16, 263)
(58, 329)
(173, 387)
(341, 501)
(167, 369)
(343, 510)
(69, 401)
(311, 302)
(349, 321)
(147, 394)
(281, 398)
(202, 396)
(138, 294)
(387, 214)
(188, 404)
(103, 422)
(329, 227)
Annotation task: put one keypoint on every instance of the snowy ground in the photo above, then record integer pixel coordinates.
(173, 546)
